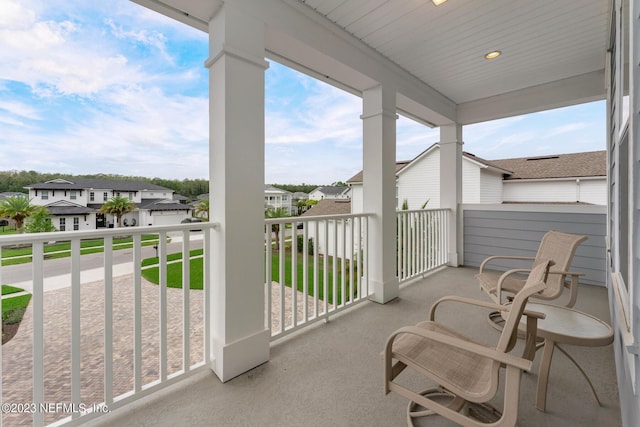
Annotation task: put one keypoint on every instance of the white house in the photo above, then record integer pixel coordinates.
(562, 178)
(74, 203)
(330, 192)
(275, 198)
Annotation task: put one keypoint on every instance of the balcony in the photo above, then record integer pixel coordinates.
(332, 373)
(109, 340)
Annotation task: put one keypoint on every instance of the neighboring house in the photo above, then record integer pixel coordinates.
(564, 178)
(74, 203)
(330, 207)
(330, 192)
(576, 177)
(418, 181)
(275, 198)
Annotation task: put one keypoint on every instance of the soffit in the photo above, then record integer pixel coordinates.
(541, 41)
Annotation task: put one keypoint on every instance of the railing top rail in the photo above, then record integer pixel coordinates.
(423, 210)
(314, 218)
(96, 234)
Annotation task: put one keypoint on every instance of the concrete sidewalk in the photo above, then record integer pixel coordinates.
(87, 276)
(95, 274)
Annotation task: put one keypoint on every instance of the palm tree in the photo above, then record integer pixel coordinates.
(276, 213)
(202, 209)
(17, 208)
(118, 206)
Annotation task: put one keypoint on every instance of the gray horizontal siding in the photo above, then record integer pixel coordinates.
(502, 232)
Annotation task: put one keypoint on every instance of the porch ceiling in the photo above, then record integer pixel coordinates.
(553, 53)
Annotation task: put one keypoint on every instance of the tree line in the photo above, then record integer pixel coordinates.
(15, 181)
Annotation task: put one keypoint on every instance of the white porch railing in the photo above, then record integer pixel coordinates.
(120, 361)
(422, 242)
(326, 261)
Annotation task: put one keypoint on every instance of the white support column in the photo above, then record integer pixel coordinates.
(451, 186)
(239, 339)
(379, 189)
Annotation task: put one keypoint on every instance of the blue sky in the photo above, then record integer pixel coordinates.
(111, 87)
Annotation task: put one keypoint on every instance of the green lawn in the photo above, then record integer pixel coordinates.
(12, 256)
(174, 273)
(13, 308)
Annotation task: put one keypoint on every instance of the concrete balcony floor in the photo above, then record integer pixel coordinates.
(331, 374)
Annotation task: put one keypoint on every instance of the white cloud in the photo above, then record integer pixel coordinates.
(19, 109)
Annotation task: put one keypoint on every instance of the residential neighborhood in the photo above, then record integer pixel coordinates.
(74, 203)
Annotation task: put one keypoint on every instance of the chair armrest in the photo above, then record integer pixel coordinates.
(504, 276)
(464, 300)
(481, 350)
(572, 286)
(509, 257)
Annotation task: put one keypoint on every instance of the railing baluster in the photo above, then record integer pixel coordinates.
(162, 249)
(137, 313)
(282, 279)
(75, 324)
(325, 262)
(305, 272)
(294, 275)
(38, 330)
(108, 320)
(316, 271)
(336, 301)
(343, 262)
(186, 302)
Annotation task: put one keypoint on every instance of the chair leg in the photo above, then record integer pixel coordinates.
(456, 404)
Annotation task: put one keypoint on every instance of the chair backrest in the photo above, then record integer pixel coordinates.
(536, 282)
(559, 247)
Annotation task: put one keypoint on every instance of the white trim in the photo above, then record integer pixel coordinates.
(537, 207)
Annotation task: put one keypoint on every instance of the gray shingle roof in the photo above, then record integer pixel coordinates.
(162, 205)
(330, 207)
(97, 183)
(589, 164)
(331, 190)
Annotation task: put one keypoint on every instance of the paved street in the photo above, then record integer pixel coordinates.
(57, 271)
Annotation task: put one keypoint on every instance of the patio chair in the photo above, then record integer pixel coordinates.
(555, 245)
(467, 373)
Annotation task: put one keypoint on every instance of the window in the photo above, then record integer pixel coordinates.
(285, 198)
(76, 223)
(105, 196)
(44, 194)
(73, 195)
(63, 224)
(92, 196)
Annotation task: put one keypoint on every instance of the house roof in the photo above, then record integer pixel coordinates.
(357, 178)
(162, 205)
(401, 166)
(68, 208)
(330, 207)
(96, 183)
(588, 164)
(331, 190)
(271, 189)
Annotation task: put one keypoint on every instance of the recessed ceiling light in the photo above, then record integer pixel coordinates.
(492, 55)
(438, 2)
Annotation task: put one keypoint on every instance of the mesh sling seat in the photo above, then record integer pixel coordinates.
(463, 369)
(555, 245)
